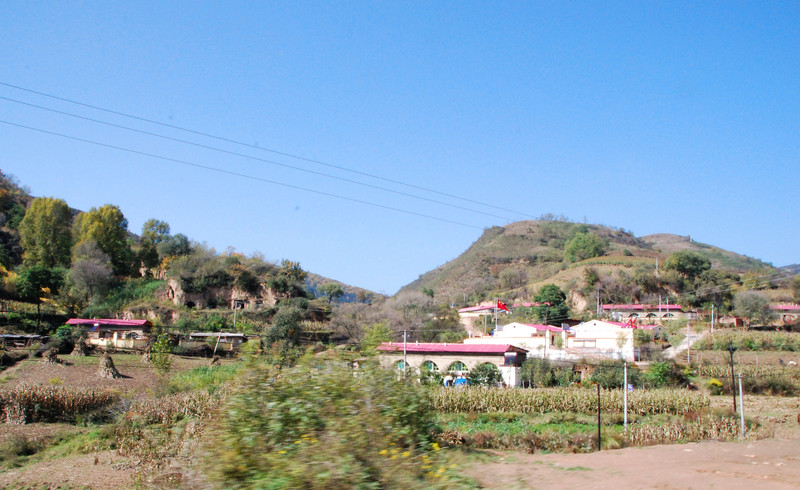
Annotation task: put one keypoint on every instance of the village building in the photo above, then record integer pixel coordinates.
(648, 313)
(111, 332)
(787, 314)
(455, 359)
(597, 338)
(531, 337)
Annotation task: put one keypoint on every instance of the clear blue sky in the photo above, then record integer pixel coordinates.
(657, 117)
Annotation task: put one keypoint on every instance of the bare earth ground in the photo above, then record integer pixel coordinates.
(769, 463)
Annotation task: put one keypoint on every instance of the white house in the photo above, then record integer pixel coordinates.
(537, 339)
(608, 339)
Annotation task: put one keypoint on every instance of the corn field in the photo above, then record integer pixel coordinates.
(169, 409)
(577, 400)
(38, 403)
(704, 428)
(750, 341)
(723, 371)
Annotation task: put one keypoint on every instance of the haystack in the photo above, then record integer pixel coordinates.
(107, 369)
(51, 356)
(81, 348)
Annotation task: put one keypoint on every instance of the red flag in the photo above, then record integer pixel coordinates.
(502, 306)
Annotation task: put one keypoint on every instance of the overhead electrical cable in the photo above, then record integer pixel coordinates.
(238, 174)
(248, 145)
(271, 162)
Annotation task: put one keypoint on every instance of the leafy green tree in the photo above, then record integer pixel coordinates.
(486, 374)
(332, 290)
(716, 287)
(174, 246)
(584, 246)
(443, 325)
(154, 232)
(108, 227)
(375, 335)
(160, 355)
(687, 263)
(286, 328)
(754, 306)
(45, 233)
(552, 304)
(36, 283)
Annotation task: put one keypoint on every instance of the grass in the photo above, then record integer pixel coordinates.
(21, 450)
(203, 378)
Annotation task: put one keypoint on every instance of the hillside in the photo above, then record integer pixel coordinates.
(514, 260)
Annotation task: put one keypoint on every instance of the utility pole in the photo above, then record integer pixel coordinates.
(599, 440)
(405, 364)
(732, 349)
(688, 345)
(712, 318)
(625, 396)
(741, 404)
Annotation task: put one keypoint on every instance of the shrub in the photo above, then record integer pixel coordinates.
(715, 386)
(486, 374)
(323, 426)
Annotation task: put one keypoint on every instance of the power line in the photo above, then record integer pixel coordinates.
(238, 174)
(276, 152)
(263, 160)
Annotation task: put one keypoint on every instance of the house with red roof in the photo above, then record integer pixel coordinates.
(116, 333)
(454, 359)
(787, 314)
(598, 338)
(531, 337)
(648, 313)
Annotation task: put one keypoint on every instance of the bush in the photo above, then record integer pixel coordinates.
(486, 374)
(715, 386)
(323, 426)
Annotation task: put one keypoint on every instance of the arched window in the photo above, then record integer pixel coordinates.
(400, 365)
(669, 315)
(457, 366)
(430, 366)
(651, 315)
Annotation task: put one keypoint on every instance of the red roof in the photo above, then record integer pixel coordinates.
(642, 307)
(785, 307)
(551, 328)
(450, 348)
(108, 322)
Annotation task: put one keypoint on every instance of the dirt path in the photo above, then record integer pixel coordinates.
(769, 463)
(99, 470)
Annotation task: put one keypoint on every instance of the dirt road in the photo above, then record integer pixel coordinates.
(769, 463)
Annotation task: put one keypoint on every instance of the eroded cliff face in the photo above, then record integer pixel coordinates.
(220, 297)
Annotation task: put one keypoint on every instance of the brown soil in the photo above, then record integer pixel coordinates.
(104, 469)
(770, 463)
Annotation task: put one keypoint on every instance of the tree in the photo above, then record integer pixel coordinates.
(375, 335)
(38, 282)
(91, 269)
(552, 306)
(174, 246)
(45, 233)
(486, 374)
(687, 263)
(154, 232)
(332, 290)
(286, 328)
(108, 227)
(716, 287)
(584, 246)
(754, 306)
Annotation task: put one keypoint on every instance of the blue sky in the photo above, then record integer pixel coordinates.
(657, 117)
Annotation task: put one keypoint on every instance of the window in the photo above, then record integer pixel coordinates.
(457, 366)
(430, 366)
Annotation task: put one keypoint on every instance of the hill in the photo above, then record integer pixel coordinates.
(513, 261)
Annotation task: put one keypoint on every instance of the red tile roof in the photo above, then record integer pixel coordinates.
(642, 307)
(108, 322)
(450, 348)
(785, 307)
